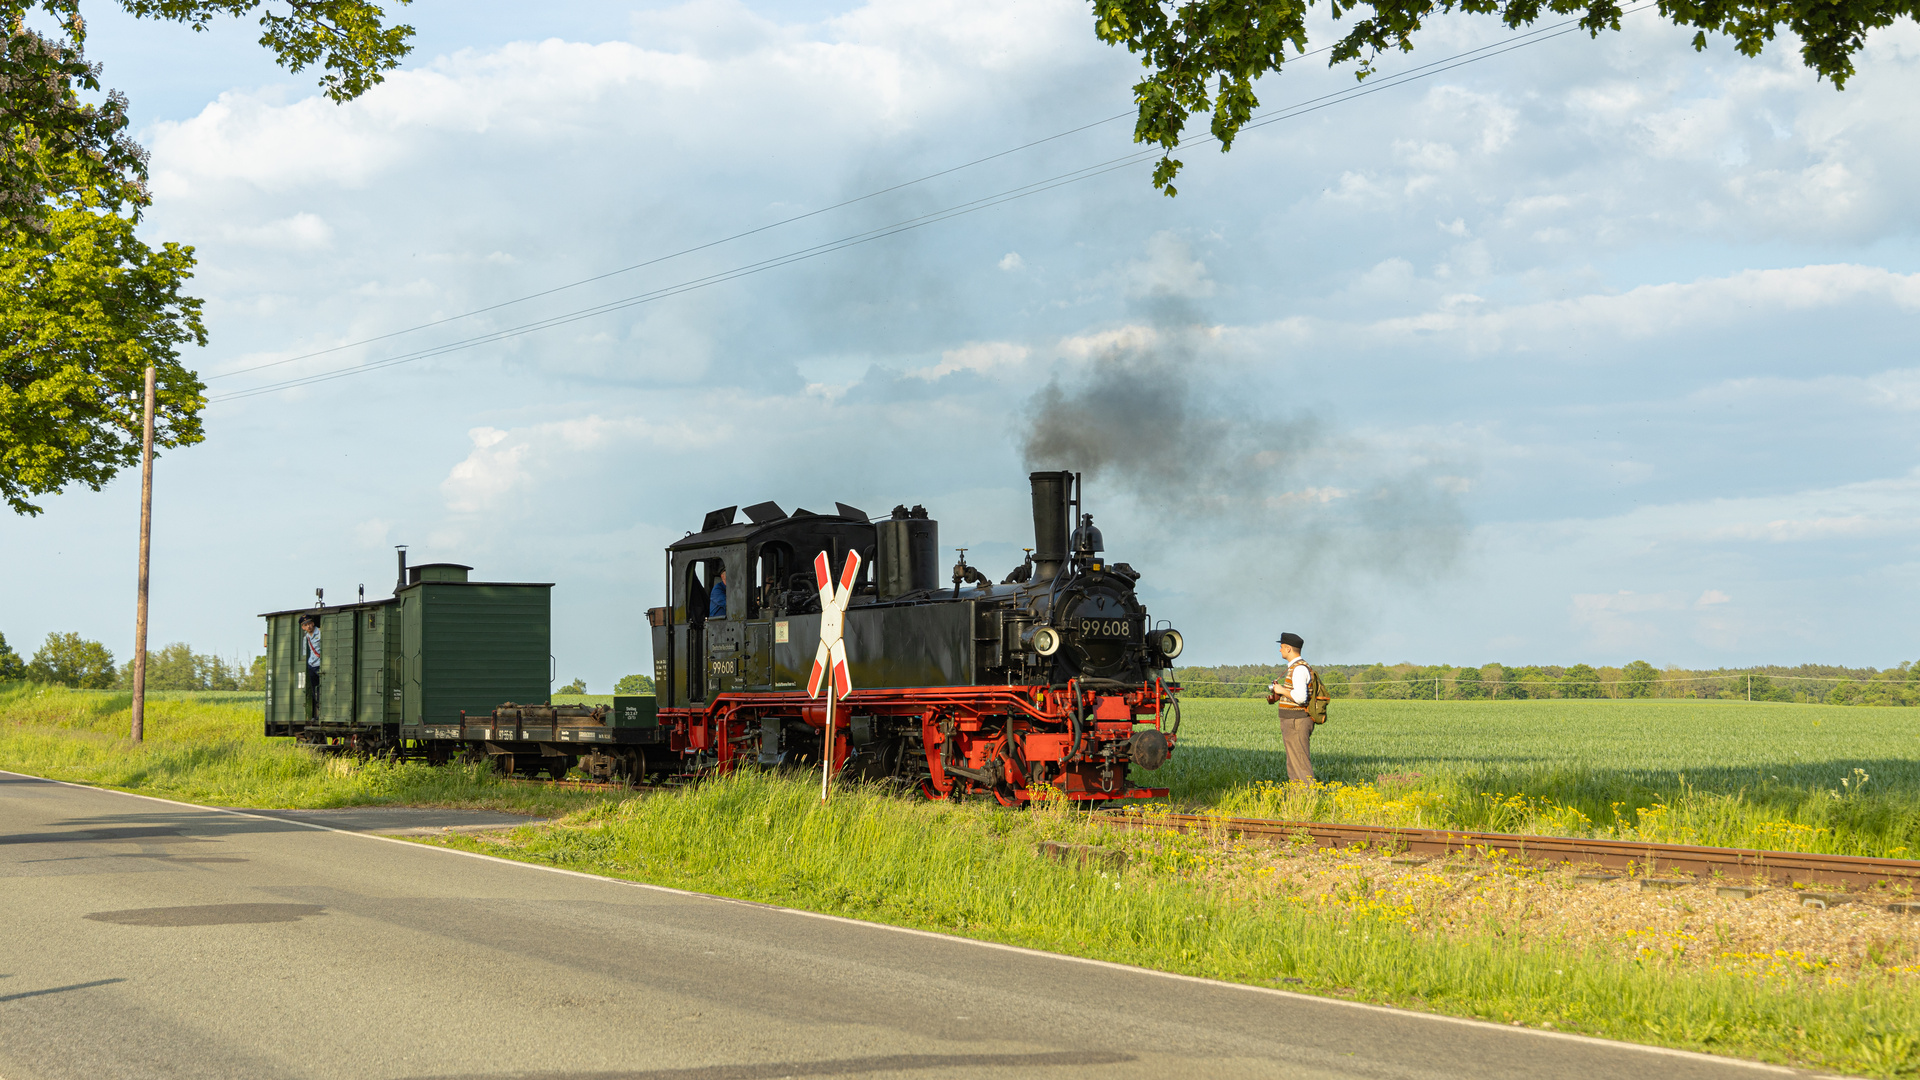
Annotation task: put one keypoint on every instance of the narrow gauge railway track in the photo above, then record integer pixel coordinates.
(576, 785)
(1733, 865)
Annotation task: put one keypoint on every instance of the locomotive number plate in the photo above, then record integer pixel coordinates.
(1106, 628)
(723, 667)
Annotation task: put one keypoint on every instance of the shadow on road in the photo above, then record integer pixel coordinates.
(832, 1067)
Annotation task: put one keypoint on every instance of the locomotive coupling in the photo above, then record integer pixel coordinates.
(1148, 748)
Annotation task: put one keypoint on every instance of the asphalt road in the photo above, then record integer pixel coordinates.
(140, 938)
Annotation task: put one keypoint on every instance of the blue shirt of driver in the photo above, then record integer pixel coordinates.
(717, 601)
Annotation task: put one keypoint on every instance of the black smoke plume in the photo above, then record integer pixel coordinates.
(1282, 509)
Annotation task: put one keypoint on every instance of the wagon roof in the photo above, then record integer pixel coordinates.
(359, 605)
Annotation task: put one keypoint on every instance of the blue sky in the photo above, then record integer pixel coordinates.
(1597, 350)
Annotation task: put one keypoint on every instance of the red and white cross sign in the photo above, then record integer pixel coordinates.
(832, 655)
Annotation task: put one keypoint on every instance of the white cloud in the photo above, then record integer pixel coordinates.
(301, 232)
(1170, 270)
(504, 466)
(1644, 312)
(976, 356)
(488, 474)
(1012, 261)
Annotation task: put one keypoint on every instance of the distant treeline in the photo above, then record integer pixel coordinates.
(1814, 683)
(71, 660)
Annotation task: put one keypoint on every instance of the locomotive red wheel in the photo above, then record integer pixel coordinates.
(1007, 796)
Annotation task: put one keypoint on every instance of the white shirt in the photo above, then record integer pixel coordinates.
(1299, 675)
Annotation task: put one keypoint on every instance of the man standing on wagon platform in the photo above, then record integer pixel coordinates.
(310, 645)
(1290, 693)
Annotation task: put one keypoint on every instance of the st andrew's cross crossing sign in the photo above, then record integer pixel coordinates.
(830, 660)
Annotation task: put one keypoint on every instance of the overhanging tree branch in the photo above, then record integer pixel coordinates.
(1204, 55)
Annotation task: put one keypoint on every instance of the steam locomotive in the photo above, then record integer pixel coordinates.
(1051, 676)
(1054, 676)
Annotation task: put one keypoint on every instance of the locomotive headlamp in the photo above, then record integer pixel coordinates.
(1044, 640)
(1167, 643)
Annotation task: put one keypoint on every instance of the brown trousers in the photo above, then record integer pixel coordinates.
(1296, 729)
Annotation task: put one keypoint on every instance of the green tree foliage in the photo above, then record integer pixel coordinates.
(56, 142)
(1762, 689)
(1467, 684)
(347, 38)
(1204, 55)
(1426, 682)
(1524, 683)
(71, 660)
(178, 667)
(577, 686)
(633, 684)
(1381, 683)
(1823, 683)
(84, 305)
(83, 311)
(1639, 679)
(1581, 681)
(12, 668)
(1336, 682)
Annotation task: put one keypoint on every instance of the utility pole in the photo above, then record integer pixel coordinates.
(146, 543)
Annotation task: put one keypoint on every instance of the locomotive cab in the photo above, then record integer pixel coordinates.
(705, 646)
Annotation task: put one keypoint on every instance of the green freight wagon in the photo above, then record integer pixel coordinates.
(442, 647)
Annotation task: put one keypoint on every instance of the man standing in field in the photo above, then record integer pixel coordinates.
(1290, 693)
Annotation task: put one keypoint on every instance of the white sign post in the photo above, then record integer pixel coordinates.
(830, 661)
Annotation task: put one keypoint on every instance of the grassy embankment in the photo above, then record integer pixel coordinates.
(972, 870)
(206, 747)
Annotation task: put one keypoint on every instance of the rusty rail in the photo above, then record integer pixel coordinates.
(1731, 864)
(571, 785)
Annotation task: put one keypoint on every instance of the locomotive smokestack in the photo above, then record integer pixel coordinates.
(1050, 491)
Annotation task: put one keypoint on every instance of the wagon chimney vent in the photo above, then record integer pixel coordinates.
(401, 581)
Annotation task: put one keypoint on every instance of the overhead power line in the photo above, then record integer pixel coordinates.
(1259, 120)
(655, 261)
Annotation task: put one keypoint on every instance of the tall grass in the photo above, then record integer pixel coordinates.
(1774, 776)
(972, 870)
(207, 747)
